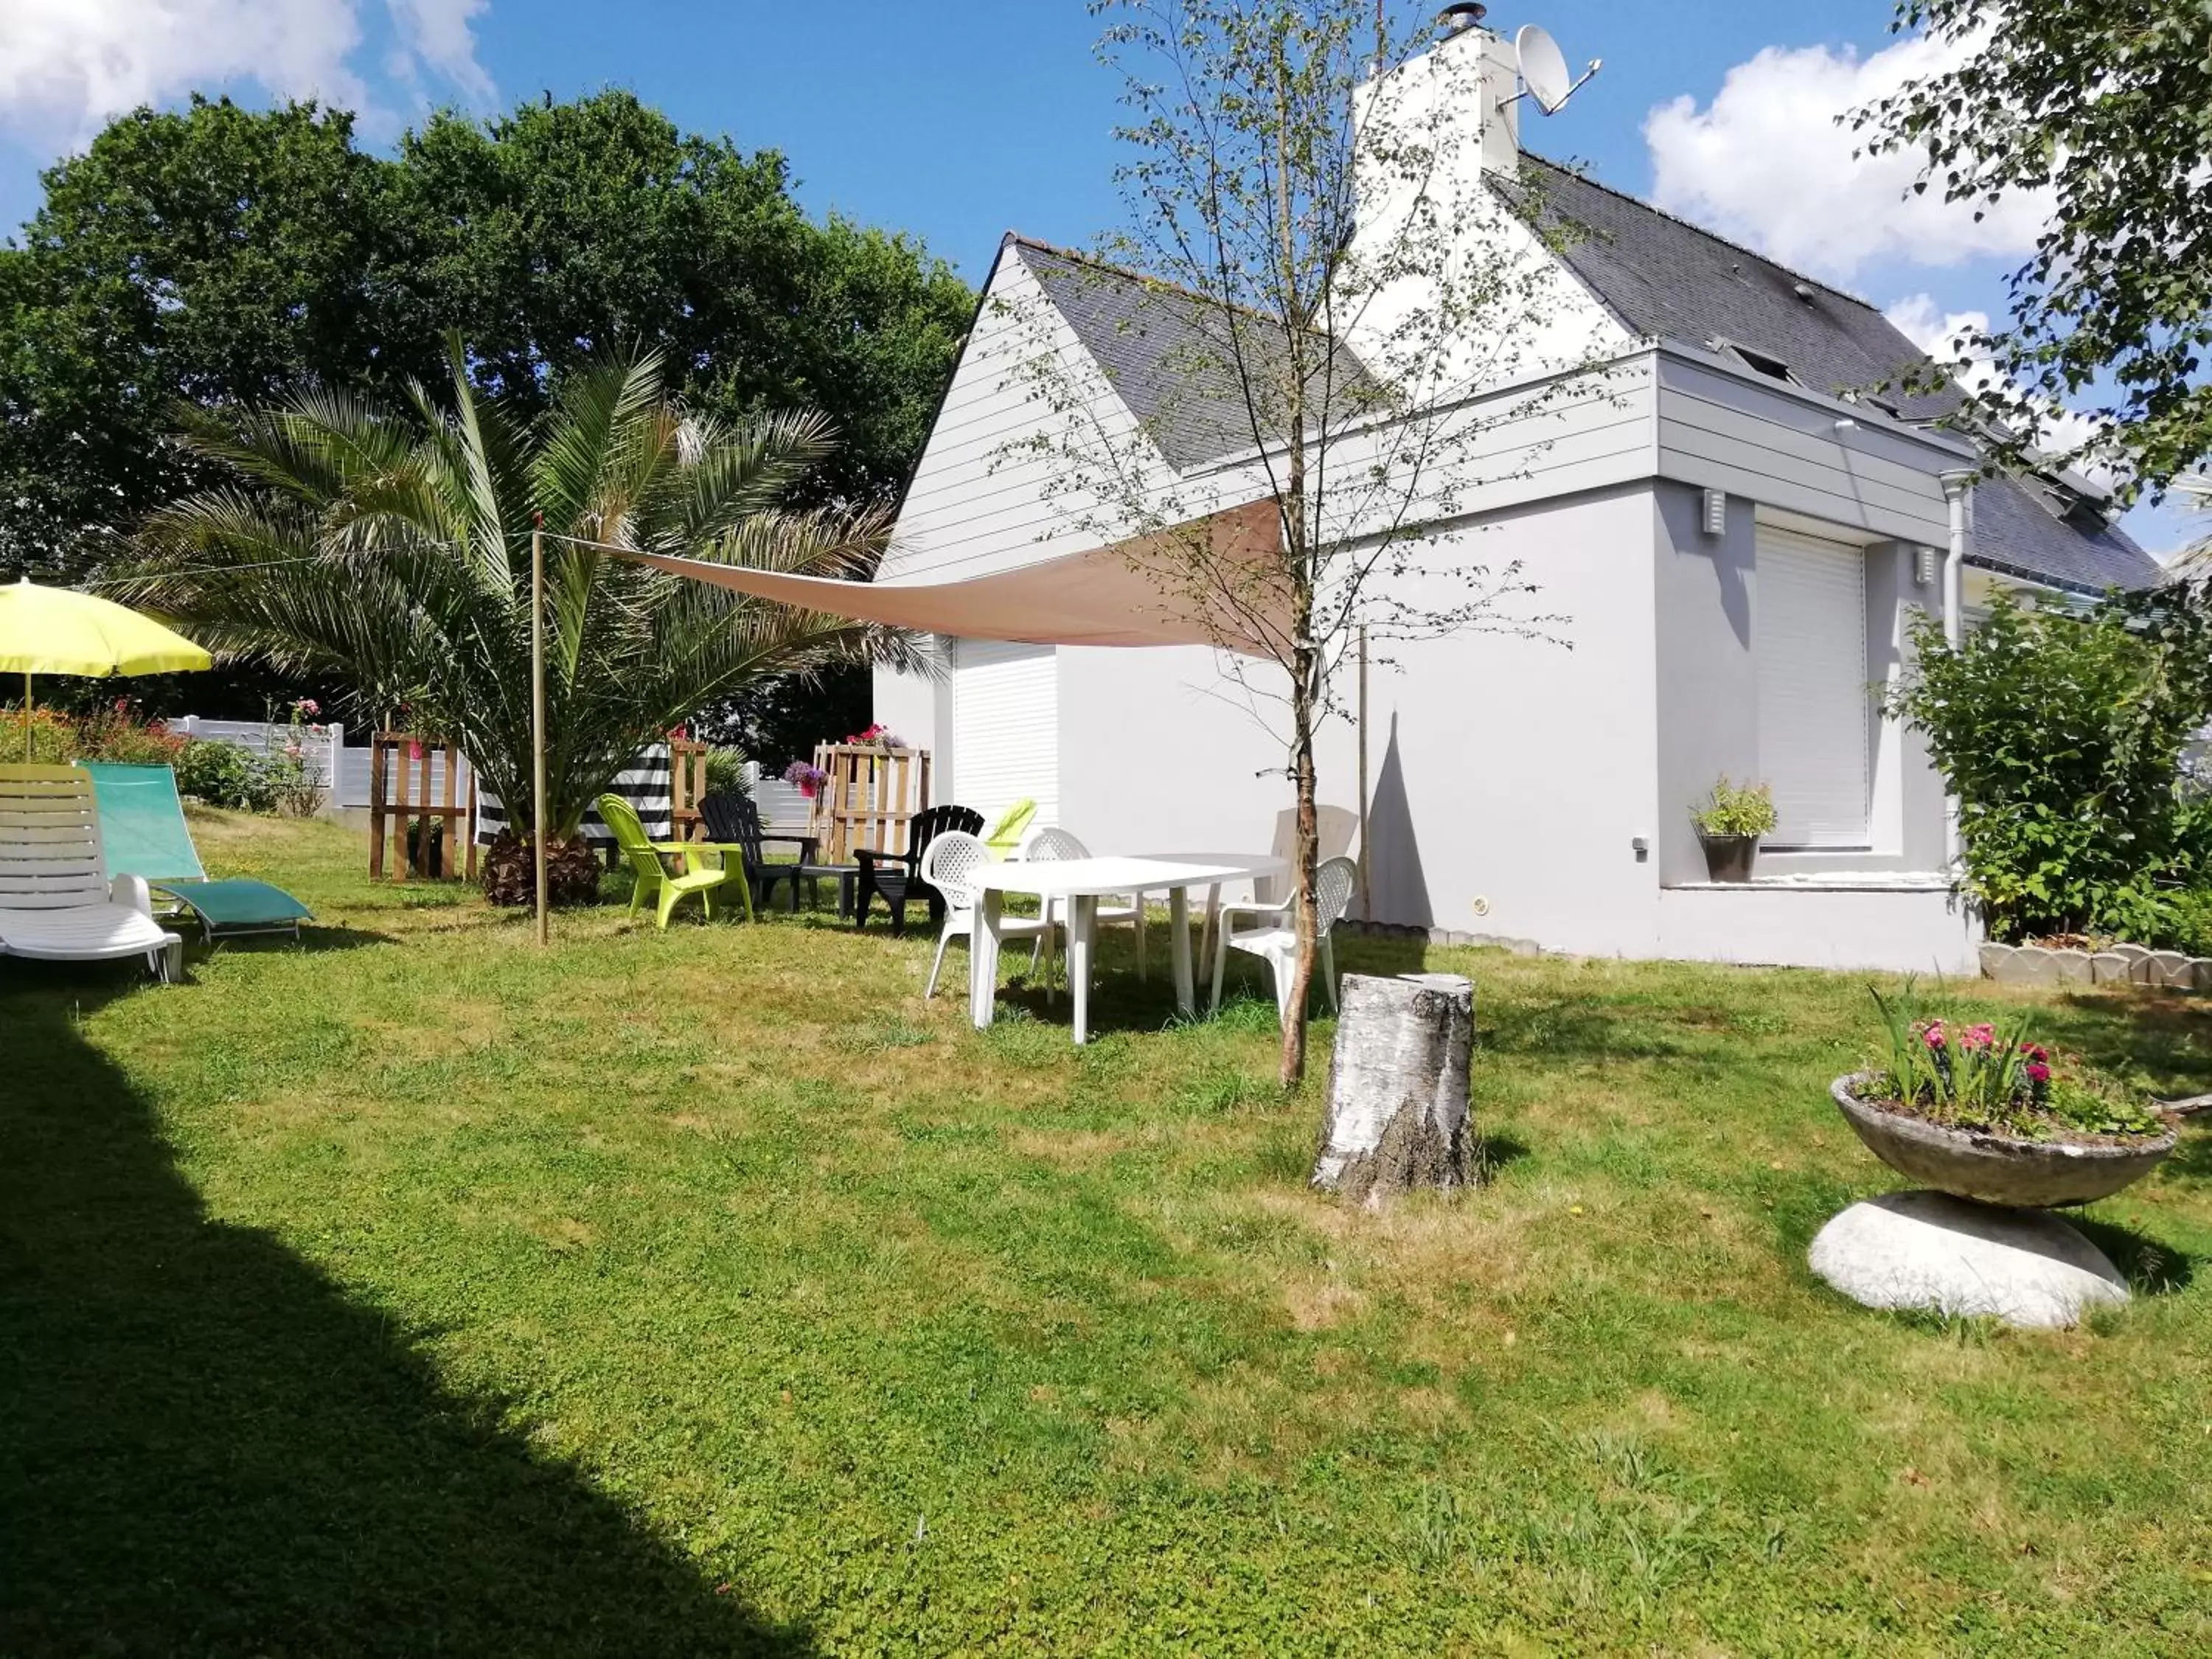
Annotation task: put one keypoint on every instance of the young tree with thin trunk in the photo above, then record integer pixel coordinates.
(1344, 296)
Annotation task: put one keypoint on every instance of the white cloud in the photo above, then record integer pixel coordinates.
(1942, 334)
(1946, 336)
(436, 34)
(67, 66)
(1766, 164)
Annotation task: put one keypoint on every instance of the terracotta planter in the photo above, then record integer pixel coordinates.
(1992, 1168)
(1729, 858)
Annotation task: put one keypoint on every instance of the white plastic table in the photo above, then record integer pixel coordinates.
(1083, 883)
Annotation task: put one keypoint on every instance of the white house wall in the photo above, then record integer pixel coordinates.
(1514, 770)
(1591, 430)
(976, 503)
(1923, 931)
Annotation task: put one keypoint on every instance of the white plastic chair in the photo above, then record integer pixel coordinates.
(949, 865)
(56, 903)
(1275, 940)
(1048, 843)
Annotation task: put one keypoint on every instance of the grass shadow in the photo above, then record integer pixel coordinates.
(210, 1449)
(2161, 1036)
(2192, 1159)
(2150, 1268)
(1494, 1154)
(1558, 1029)
(315, 939)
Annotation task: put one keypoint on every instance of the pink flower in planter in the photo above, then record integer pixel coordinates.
(2037, 1072)
(1934, 1035)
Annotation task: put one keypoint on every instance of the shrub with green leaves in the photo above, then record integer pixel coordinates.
(223, 775)
(725, 771)
(2062, 735)
(1737, 809)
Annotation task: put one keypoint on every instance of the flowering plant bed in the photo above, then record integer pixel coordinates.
(1984, 1111)
(1999, 1080)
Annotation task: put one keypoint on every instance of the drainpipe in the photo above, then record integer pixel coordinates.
(1959, 497)
(1959, 494)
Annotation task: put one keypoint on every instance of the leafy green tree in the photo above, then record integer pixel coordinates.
(2062, 738)
(2107, 106)
(233, 257)
(212, 253)
(391, 550)
(565, 229)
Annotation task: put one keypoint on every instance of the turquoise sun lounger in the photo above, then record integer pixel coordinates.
(143, 831)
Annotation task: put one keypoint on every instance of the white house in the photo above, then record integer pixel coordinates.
(1736, 535)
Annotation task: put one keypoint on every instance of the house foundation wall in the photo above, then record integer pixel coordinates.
(1925, 930)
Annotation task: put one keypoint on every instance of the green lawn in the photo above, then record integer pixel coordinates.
(417, 1293)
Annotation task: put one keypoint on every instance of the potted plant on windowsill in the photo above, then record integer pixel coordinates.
(1729, 826)
(1984, 1111)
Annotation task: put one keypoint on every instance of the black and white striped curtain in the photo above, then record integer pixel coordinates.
(644, 784)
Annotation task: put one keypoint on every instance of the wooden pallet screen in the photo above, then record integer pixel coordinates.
(417, 779)
(687, 781)
(871, 795)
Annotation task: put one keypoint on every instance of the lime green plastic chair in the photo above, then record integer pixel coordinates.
(648, 861)
(1007, 839)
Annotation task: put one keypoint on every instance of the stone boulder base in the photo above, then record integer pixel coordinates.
(1949, 1255)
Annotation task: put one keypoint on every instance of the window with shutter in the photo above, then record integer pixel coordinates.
(1809, 642)
(1006, 728)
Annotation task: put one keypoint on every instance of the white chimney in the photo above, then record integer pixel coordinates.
(1497, 110)
(1432, 135)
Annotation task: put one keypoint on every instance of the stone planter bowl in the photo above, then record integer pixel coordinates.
(1996, 1169)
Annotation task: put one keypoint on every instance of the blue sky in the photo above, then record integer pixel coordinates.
(957, 120)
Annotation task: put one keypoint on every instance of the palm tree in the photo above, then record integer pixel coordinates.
(390, 549)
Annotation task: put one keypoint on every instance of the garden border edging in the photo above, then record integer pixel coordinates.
(2120, 964)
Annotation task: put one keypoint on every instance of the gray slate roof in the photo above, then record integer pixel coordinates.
(1169, 355)
(1166, 353)
(1666, 279)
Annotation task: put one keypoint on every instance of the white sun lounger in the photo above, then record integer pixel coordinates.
(56, 902)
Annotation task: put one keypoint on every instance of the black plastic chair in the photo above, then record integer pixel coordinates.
(897, 876)
(734, 821)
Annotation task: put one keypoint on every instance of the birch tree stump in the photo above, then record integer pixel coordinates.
(1398, 1089)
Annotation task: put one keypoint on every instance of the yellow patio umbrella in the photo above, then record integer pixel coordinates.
(58, 630)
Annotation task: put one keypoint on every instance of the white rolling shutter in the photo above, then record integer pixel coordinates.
(1006, 728)
(1810, 644)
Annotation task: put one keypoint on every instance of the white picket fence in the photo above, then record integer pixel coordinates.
(321, 750)
(782, 805)
(351, 789)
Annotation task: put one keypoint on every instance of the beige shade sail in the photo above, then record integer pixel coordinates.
(1213, 581)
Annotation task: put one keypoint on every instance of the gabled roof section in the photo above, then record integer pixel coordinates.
(1664, 277)
(1668, 280)
(2023, 528)
(1170, 356)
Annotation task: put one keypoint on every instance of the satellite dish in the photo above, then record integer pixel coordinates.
(1543, 67)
